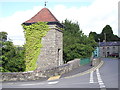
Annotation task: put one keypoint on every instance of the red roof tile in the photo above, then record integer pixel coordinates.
(44, 16)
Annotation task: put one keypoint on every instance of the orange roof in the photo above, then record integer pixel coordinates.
(44, 16)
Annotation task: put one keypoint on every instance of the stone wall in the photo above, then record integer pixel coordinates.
(51, 53)
(37, 74)
(21, 76)
(59, 47)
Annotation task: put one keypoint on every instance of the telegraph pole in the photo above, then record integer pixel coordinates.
(105, 44)
(99, 47)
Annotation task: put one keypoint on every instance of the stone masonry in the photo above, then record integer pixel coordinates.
(51, 53)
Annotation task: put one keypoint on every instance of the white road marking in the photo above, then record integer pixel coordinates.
(102, 85)
(31, 84)
(27, 84)
(91, 77)
(55, 82)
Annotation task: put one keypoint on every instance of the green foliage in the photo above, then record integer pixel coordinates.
(107, 29)
(75, 43)
(94, 35)
(12, 58)
(109, 35)
(3, 36)
(33, 35)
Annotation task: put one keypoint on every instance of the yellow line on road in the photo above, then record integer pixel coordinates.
(80, 74)
(86, 72)
(54, 77)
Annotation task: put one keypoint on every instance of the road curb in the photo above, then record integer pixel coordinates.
(80, 74)
(87, 71)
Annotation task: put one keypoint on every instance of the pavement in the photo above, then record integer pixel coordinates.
(77, 70)
(82, 70)
(72, 73)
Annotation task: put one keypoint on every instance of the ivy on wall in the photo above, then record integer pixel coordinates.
(33, 34)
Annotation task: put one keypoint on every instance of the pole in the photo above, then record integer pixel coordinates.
(45, 4)
(105, 44)
(99, 47)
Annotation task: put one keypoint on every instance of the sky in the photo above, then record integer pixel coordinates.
(92, 15)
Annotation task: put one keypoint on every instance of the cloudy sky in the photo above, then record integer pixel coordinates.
(92, 15)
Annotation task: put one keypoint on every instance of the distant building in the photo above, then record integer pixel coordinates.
(109, 48)
(51, 54)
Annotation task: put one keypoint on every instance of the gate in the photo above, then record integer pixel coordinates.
(84, 61)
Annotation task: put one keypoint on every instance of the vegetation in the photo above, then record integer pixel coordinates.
(33, 35)
(12, 58)
(106, 32)
(75, 43)
(19, 59)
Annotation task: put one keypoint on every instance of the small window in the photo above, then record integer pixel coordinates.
(108, 53)
(113, 48)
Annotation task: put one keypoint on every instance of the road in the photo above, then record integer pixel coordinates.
(104, 77)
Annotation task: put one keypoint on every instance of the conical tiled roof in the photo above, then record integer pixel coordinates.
(44, 16)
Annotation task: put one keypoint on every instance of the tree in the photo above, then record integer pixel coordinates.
(75, 43)
(12, 58)
(3, 36)
(95, 36)
(106, 32)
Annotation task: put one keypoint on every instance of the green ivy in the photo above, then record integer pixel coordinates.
(33, 34)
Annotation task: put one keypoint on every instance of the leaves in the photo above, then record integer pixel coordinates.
(12, 58)
(107, 30)
(75, 43)
(33, 34)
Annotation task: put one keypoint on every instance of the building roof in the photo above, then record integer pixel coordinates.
(43, 16)
(110, 43)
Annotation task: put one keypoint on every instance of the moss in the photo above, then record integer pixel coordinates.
(34, 34)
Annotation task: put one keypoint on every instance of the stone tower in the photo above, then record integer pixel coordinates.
(51, 54)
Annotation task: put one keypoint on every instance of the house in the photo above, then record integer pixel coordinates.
(109, 49)
(51, 54)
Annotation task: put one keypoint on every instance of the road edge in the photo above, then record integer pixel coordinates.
(87, 71)
(79, 74)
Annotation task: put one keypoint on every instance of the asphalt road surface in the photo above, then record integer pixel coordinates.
(104, 77)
